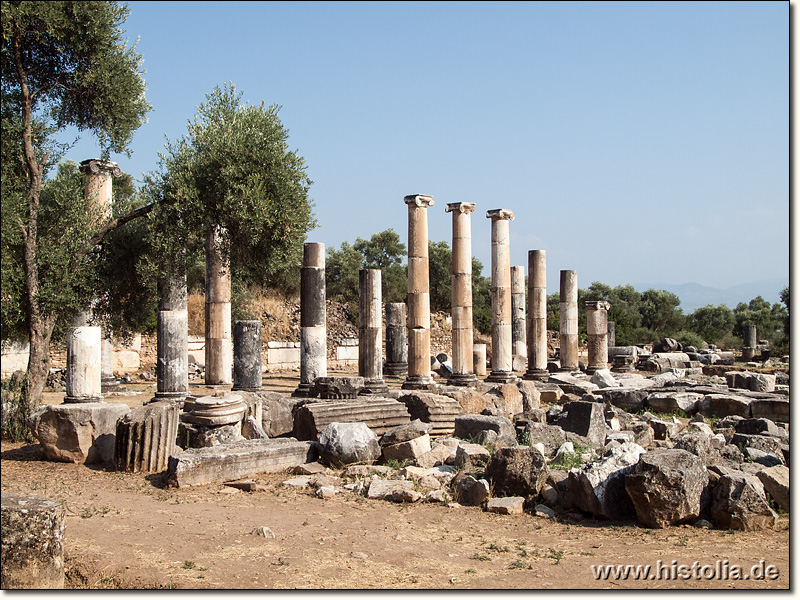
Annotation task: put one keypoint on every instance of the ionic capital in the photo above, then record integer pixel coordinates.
(461, 207)
(500, 214)
(419, 200)
(94, 166)
(598, 304)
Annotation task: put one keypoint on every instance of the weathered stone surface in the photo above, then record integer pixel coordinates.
(673, 401)
(603, 378)
(776, 483)
(379, 414)
(438, 455)
(79, 433)
(405, 433)
(470, 456)
(338, 388)
(586, 419)
(145, 437)
(343, 444)
(758, 427)
(549, 393)
(598, 488)
(409, 450)
(380, 489)
(551, 436)
(630, 399)
(511, 505)
(698, 444)
(570, 384)
(739, 502)
(666, 487)
(252, 430)
(440, 411)
(507, 398)
(202, 436)
(531, 397)
(773, 409)
(468, 426)
(200, 466)
(470, 400)
(756, 382)
(469, 491)
(520, 471)
(276, 411)
(724, 405)
(33, 542)
(359, 471)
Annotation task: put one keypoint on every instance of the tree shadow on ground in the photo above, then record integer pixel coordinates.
(28, 452)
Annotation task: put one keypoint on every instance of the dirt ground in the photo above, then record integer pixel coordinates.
(127, 530)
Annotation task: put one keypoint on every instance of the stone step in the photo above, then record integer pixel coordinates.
(379, 414)
(146, 437)
(226, 462)
(439, 411)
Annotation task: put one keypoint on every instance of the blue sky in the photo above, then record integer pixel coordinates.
(635, 142)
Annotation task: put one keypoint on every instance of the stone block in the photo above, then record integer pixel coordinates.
(520, 471)
(739, 502)
(145, 437)
(469, 491)
(379, 414)
(470, 457)
(379, 489)
(772, 409)
(469, 426)
(79, 433)
(32, 543)
(440, 411)
(405, 433)
(507, 399)
(409, 450)
(512, 505)
(776, 483)
(586, 419)
(201, 466)
(342, 444)
(724, 405)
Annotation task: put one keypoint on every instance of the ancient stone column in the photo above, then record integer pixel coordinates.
(98, 177)
(247, 355)
(172, 342)
(519, 345)
(537, 316)
(313, 332)
(396, 339)
(750, 343)
(83, 365)
(612, 334)
(219, 346)
(419, 301)
(568, 321)
(370, 332)
(461, 294)
(501, 297)
(597, 332)
(479, 359)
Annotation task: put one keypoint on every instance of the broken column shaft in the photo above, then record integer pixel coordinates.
(568, 321)
(370, 332)
(313, 332)
(247, 356)
(172, 344)
(501, 297)
(461, 295)
(219, 347)
(83, 365)
(537, 316)
(396, 339)
(597, 332)
(519, 345)
(419, 302)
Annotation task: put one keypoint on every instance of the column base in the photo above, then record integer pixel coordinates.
(418, 382)
(110, 384)
(395, 368)
(305, 390)
(82, 399)
(463, 380)
(501, 377)
(536, 375)
(176, 396)
(218, 386)
(592, 368)
(247, 389)
(374, 387)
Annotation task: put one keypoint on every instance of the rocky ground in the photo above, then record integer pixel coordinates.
(132, 531)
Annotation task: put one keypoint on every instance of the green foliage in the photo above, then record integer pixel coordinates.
(16, 408)
(385, 251)
(660, 312)
(440, 259)
(481, 299)
(341, 273)
(712, 323)
(689, 338)
(769, 319)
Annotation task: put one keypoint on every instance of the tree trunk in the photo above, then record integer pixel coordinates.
(41, 330)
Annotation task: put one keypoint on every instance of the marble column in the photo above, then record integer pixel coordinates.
(172, 342)
(83, 364)
(419, 301)
(396, 339)
(479, 359)
(501, 297)
(461, 295)
(313, 314)
(568, 321)
(519, 344)
(219, 345)
(98, 175)
(370, 332)
(612, 334)
(750, 343)
(537, 316)
(597, 332)
(247, 356)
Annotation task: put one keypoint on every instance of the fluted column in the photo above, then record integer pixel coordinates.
(537, 316)
(519, 345)
(461, 294)
(597, 333)
(83, 365)
(219, 345)
(568, 321)
(370, 332)
(396, 339)
(313, 330)
(501, 297)
(419, 301)
(172, 342)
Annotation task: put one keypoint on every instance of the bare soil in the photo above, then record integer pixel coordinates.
(127, 530)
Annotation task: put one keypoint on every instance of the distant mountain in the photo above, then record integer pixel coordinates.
(694, 295)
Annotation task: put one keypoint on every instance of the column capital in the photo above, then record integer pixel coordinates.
(93, 166)
(460, 207)
(500, 214)
(419, 200)
(598, 304)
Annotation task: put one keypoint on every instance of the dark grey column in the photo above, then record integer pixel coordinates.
(172, 345)
(597, 332)
(396, 339)
(247, 356)
(313, 331)
(537, 316)
(370, 332)
(612, 334)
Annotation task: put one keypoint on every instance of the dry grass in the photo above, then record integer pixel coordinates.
(196, 306)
